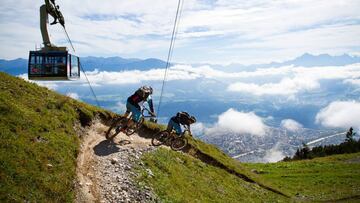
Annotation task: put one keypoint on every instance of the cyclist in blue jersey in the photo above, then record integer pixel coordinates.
(182, 118)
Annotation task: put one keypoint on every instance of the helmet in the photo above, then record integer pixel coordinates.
(192, 119)
(147, 89)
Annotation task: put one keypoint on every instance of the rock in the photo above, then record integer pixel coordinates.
(114, 160)
(257, 172)
(149, 172)
(254, 171)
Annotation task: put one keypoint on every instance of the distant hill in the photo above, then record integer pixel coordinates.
(14, 67)
(90, 63)
(19, 66)
(118, 64)
(305, 60)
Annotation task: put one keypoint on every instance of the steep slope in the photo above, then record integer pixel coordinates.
(52, 149)
(39, 141)
(39, 146)
(104, 168)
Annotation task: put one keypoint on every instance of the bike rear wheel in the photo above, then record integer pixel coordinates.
(178, 143)
(160, 138)
(116, 128)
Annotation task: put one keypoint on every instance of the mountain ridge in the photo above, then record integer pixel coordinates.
(19, 66)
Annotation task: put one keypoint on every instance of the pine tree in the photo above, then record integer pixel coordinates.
(350, 135)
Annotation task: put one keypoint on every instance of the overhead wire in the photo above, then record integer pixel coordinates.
(171, 48)
(169, 57)
(82, 69)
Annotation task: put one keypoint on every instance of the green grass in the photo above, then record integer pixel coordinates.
(29, 112)
(179, 177)
(325, 179)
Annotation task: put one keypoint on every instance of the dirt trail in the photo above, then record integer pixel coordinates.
(104, 167)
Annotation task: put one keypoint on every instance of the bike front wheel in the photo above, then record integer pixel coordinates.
(178, 143)
(131, 130)
(160, 138)
(116, 128)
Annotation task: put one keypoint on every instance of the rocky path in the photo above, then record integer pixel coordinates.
(105, 169)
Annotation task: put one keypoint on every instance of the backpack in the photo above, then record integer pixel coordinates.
(185, 119)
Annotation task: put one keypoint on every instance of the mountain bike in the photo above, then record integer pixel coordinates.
(121, 124)
(172, 139)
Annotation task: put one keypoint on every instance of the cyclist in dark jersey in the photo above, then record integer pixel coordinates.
(135, 101)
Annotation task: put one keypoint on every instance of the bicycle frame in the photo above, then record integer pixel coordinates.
(144, 109)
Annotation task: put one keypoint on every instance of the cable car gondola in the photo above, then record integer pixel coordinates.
(52, 62)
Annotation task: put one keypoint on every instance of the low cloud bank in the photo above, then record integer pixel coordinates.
(73, 95)
(300, 79)
(340, 114)
(274, 155)
(239, 122)
(285, 81)
(290, 125)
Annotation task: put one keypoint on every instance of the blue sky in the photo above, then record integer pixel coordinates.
(210, 31)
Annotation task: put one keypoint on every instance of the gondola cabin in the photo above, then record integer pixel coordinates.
(53, 65)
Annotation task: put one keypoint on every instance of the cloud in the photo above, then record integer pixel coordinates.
(198, 128)
(290, 125)
(242, 31)
(355, 82)
(48, 84)
(121, 107)
(293, 79)
(274, 154)
(298, 79)
(285, 81)
(137, 76)
(239, 122)
(340, 114)
(73, 95)
(286, 86)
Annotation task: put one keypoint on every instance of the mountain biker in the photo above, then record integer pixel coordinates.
(135, 101)
(182, 118)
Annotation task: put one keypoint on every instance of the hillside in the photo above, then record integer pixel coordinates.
(52, 149)
(39, 141)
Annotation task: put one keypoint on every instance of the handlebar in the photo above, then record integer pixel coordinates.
(187, 129)
(151, 114)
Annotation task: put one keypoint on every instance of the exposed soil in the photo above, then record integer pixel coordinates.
(104, 168)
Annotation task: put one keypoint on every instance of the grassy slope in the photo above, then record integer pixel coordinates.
(327, 178)
(179, 177)
(28, 111)
(321, 179)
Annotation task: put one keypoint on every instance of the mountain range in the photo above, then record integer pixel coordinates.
(113, 64)
(19, 66)
(305, 60)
